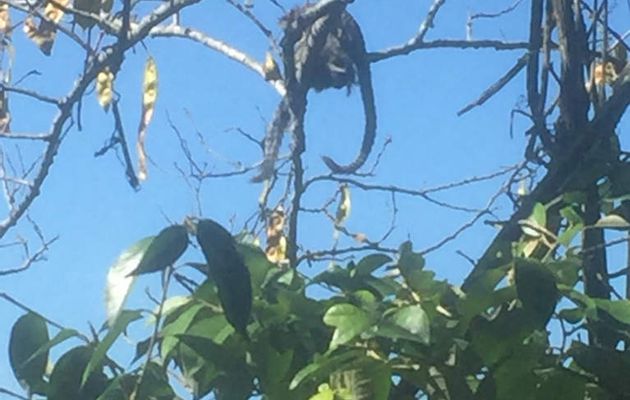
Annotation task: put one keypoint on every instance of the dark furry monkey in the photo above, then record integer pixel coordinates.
(322, 53)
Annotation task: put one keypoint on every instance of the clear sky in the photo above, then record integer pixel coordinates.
(89, 204)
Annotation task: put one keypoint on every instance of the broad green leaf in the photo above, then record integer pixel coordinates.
(65, 379)
(96, 360)
(348, 320)
(407, 259)
(228, 271)
(225, 358)
(618, 309)
(176, 327)
(164, 250)
(536, 288)
(258, 264)
(538, 219)
(561, 384)
(369, 264)
(414, 321)
(215, 328)
(572, 315)
(119, 280)
(608, 365)
(28, 335)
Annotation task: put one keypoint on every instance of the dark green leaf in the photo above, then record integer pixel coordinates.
(229, 272)
(608, 365)
(572, 315)
(65, 380)
(369, 264)
(560, 383)
(28, 336)
(536, 288)
(120, 388)
(155, 385)
(60, 337)
(618, 309)
(164, 250)
(408, 260)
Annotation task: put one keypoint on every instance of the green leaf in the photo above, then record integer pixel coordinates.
(164, 250)
(618, 309)
(65, 379)
(258, 265)
(536, 288)
(96, 360)
(348, 320)
(608, 365)
(60, 337)
(369, 264)
(119, 388)
(324, 392)
(178, 326)
(560, 383)
(573, 315)
(28, 335)
(538, 219)
(118, 280)
(229, 272)
(412, 323)
(155, 385)
(407, 259)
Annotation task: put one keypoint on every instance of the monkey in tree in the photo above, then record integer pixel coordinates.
(321, 50)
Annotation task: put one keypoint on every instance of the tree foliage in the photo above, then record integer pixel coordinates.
(538, 317)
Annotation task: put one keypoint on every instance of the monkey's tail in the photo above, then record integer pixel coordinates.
(369, 134)
(273, 141)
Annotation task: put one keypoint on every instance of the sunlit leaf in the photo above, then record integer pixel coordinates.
(119, 280)
(348, 320)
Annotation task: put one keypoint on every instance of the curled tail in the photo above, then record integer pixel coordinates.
(369, 133)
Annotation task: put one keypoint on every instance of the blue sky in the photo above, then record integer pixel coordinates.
(88, 202)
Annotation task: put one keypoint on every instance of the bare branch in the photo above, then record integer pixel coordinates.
(217, 45)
